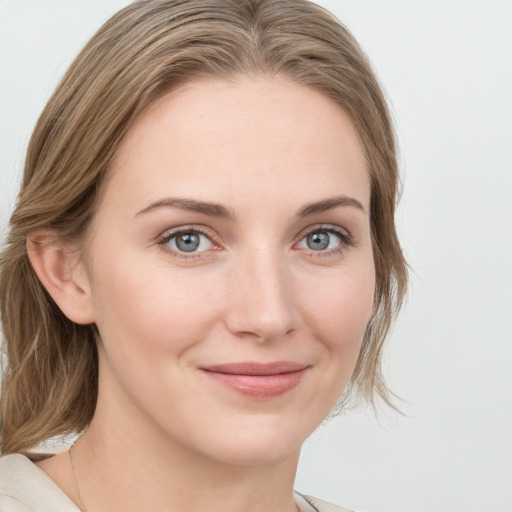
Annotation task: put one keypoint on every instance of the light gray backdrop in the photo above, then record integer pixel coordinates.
(446, 66)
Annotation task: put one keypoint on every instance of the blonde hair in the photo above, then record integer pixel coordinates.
(50, 382)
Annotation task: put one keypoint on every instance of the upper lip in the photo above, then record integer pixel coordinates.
(253, 368)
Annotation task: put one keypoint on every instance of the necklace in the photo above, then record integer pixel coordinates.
(82, 508)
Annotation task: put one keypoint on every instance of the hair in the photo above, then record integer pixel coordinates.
(50, 380)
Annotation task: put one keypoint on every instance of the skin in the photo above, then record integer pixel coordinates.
(165, 436)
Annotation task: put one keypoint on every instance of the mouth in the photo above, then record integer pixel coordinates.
(257, 380)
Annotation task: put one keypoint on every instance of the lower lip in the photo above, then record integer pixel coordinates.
(259, 386)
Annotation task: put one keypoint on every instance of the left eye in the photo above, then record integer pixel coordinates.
(189, 241)
(320, 240)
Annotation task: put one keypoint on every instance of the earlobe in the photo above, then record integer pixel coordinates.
(60, 272)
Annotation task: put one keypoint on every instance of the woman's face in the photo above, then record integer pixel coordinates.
(230, 268)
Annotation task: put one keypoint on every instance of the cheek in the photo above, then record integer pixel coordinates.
(337, 311)
(340, 306)
(155, 308)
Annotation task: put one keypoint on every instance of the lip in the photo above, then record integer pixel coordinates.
(258, 380)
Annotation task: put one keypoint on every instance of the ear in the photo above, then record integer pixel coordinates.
(62, 274)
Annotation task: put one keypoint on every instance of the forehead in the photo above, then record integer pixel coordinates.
(225, 140)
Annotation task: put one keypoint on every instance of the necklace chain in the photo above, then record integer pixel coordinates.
(82, 507)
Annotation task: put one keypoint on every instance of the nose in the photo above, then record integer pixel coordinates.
(261, 304)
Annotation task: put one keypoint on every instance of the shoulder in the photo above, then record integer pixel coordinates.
(25, 488)
(13, 472)
(323, 506)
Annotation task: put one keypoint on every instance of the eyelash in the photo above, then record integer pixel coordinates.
(346, 241)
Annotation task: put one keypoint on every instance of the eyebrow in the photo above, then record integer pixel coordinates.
(191, 205)
(218, 210)
(329, 204)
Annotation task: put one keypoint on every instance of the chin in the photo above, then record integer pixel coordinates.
(261, 443)
(261, 453)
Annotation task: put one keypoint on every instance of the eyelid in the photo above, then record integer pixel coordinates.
(333, 228)
(197, 228)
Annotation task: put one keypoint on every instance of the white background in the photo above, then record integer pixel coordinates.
(446, 65)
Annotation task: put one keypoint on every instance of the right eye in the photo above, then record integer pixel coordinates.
(184, 242)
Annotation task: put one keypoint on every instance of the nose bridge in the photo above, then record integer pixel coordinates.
(261, 291)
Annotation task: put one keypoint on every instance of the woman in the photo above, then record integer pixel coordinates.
(202, 263)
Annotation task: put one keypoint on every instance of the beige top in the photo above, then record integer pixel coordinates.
(26, 488)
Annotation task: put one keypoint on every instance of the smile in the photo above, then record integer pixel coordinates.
(258, 380)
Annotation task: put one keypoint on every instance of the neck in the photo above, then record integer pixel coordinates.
(138, 468)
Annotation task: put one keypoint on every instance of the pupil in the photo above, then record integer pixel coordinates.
(318, 241)
(187, 242)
